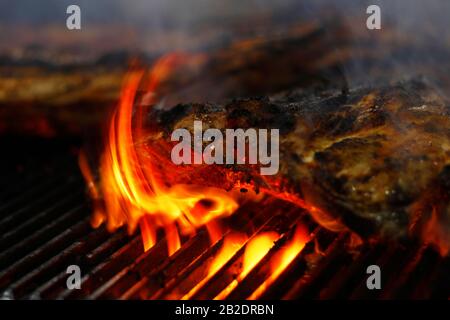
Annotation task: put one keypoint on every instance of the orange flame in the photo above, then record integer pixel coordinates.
(283, 258)
(132, 193)
(435, 234)
(255, 250)
(231, 244)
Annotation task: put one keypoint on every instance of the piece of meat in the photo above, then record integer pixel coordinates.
(376, 161)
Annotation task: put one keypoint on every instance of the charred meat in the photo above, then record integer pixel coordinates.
(376, 161)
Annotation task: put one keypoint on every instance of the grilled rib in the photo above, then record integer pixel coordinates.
(376, 160)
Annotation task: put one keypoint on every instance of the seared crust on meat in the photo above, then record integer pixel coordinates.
(368, 158)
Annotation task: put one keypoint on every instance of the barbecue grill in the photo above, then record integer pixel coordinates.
(269, 248)
(45, 228)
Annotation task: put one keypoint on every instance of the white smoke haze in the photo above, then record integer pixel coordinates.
(160, 26)
(148, 15)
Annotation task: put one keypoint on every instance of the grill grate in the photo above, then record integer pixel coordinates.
(44, 222)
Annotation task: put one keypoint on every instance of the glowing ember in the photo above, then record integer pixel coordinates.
(132, 190)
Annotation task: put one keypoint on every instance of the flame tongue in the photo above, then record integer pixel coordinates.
(130, 184)
(133, 184)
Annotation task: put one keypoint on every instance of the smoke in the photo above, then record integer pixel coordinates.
(143, 13)
(155, 26)
(414, 38)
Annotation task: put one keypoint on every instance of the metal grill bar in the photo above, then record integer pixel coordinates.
(39, 198)
(88, 257)
(46, 228)
(281, 223)
(185, 260)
